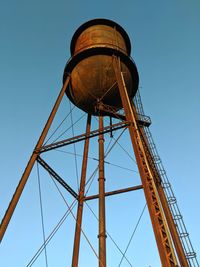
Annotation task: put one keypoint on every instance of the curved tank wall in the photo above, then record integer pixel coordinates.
(92, 75)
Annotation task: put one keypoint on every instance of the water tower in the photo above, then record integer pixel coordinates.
(102, 80)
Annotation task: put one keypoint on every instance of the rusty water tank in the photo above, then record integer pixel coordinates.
(93, 79)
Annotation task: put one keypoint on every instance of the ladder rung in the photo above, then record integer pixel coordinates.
(178, 217)
(166, 185)
(157, 158)
(172, 200)
(190, 255)
(184, 234)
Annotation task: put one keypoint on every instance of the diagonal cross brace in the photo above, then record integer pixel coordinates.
(57, 177)
(82, 137)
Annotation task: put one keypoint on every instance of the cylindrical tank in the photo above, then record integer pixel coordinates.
(93, 78)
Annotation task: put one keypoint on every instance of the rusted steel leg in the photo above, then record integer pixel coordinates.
(102, 220)
(77, 236)
(24, 178)
(153, 202)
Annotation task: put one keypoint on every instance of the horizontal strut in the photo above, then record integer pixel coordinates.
(115, 192)
(57, 177)
(82, 137)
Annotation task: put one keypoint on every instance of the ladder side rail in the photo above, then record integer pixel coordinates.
(178, 218)
(169, 217)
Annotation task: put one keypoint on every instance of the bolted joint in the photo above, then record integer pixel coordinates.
(102, 235)
(101, 139)
(37, 151)
(101, 178)
(80, 202)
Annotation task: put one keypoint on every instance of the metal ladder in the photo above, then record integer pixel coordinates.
(171, 199)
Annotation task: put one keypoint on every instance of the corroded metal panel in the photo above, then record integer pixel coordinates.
(91, 66)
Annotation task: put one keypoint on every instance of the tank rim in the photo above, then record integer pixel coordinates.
(100, 21)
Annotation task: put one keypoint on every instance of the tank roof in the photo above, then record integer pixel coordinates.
(100, 22)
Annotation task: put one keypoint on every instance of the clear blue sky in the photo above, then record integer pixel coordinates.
(35, 39)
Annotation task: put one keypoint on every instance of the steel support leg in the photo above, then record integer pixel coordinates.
(153, 202)
(77, 236)
(24, 178)
(102, 221)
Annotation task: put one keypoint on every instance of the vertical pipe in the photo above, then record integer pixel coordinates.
(24, 178)
(79, 217)
(102, 224)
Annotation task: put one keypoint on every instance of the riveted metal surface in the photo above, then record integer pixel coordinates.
(91, 67)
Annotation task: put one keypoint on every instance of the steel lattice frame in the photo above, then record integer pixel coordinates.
(167, 237)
